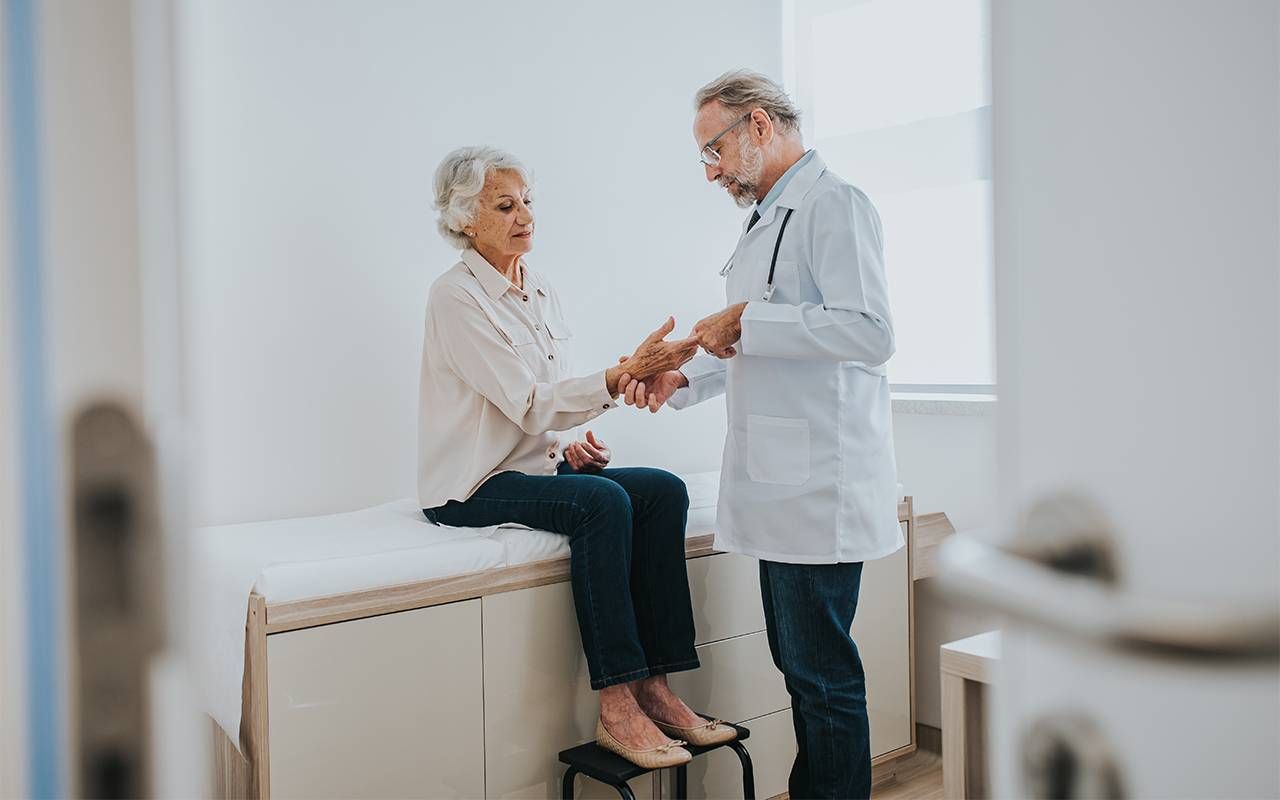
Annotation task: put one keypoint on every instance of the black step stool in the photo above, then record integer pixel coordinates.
(594, 761)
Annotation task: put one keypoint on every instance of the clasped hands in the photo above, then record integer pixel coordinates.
(649, 377)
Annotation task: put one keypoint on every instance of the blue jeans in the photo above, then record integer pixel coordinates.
(626, 542)
(808, 609)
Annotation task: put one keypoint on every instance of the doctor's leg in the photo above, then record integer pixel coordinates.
(808, 611)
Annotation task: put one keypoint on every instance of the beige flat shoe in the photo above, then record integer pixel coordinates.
(710, 733)
(670, 754)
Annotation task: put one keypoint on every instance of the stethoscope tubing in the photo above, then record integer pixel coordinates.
(773, 262)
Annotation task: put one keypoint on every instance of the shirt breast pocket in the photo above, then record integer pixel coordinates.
(526, 346)
(558, 330)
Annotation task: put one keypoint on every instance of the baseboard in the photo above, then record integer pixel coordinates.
(929, 738)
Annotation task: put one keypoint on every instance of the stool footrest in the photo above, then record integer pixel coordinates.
(594, 761)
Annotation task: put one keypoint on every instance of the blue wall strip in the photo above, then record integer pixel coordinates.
(41, 543)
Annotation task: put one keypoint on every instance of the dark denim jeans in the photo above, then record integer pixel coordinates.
(808, 609)
(626, 541)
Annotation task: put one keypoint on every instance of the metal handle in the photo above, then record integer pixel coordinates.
(1060, 574)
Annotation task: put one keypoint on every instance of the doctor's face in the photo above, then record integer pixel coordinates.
(741, 159)
(503, 219)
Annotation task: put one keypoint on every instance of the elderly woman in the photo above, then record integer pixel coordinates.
(498, 407)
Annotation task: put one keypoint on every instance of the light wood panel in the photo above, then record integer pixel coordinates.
(967, 665)
(379, 708)
(254, 729)
(930, 531)
(973, 658)
(231, 777)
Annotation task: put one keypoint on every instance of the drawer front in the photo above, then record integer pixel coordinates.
(538, 697)
(737, 680)
(377, 708)
(881, 628)
(725, 589)
(718, 774)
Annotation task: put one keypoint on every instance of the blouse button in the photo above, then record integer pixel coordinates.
(551, 357)
(526, 298)
(551, 456)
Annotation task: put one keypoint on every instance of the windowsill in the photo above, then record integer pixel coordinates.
(943, 404)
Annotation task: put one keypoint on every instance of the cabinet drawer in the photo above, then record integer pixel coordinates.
(538, 697)
(377, 708)
(881, 628)
(737, 680)
(719, 773)
(725, 589)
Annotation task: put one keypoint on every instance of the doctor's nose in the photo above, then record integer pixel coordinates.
(713, 173)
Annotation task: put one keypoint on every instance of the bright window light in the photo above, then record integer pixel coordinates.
(897, 97)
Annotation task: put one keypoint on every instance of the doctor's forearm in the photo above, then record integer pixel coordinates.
(810, 331)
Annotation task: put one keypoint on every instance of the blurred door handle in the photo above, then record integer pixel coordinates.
(1060, 574)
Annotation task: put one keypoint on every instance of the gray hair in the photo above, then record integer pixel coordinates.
(458, 182)
(742, 90)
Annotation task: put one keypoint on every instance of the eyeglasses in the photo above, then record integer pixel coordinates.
(710, 156)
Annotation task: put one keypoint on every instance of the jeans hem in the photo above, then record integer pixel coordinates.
(679, 666)
(612, 680)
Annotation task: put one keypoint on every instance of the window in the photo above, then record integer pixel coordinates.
(897, 97)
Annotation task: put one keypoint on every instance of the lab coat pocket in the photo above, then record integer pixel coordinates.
(777, 450)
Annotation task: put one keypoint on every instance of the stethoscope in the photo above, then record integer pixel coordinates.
(773, 263)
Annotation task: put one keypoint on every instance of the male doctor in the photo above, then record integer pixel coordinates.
(808, 482)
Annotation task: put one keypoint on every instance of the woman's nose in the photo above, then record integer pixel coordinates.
(524, 216)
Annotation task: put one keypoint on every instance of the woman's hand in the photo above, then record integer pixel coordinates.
(589, 456)
(655, 392)
(655, 355)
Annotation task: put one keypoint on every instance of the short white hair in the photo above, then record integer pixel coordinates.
(458, 182)
(742, 91)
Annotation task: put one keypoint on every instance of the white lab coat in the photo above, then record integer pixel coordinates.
(808, 475)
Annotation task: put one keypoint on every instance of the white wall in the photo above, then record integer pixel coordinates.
(946, 463)
(310, 133)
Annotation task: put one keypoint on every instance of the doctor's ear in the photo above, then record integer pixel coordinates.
(761, 126)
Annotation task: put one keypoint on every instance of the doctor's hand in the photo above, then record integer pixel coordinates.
(718, 332)
(589, 456)
(655, 392)
(654, 355)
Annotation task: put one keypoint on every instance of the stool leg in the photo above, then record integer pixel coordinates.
(682, 783)
(566, 786)
(624, 790)
(748, 773)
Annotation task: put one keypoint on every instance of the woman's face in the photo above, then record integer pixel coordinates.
(503, 221)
